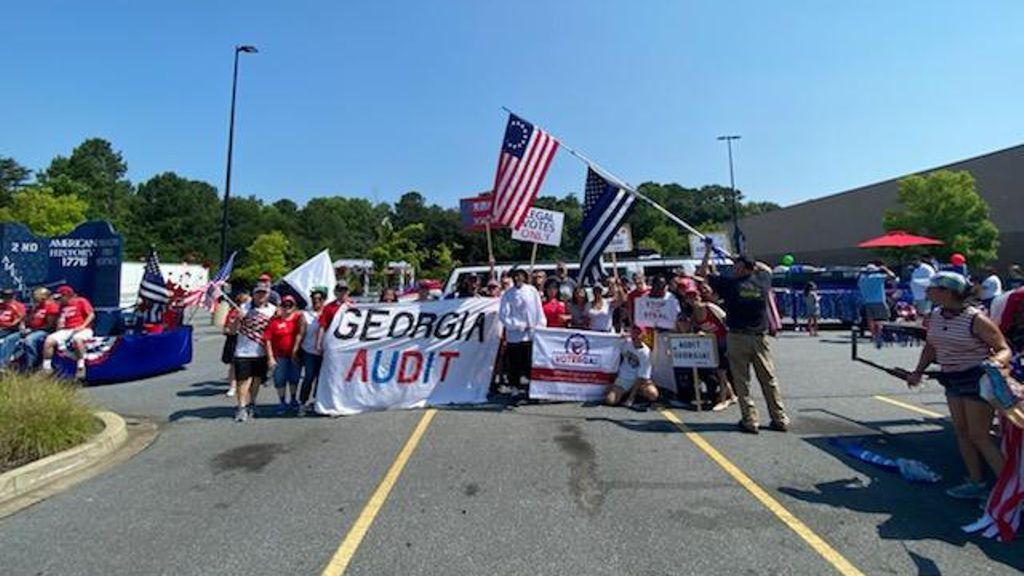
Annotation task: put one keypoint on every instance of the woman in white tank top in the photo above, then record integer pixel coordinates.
(960, 338)
(599, 313)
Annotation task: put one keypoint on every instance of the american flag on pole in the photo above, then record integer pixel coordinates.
(207, 295)
(526, 154)
(606, 205)
(153, 291)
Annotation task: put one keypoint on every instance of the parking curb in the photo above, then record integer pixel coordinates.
(34, 475)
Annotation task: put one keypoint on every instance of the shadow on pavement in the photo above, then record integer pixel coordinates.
(916, 511)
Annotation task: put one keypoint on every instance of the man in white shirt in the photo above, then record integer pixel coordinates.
(919, 278)
(251, 352)
(520, 312)
(991, 287)
(634, 373)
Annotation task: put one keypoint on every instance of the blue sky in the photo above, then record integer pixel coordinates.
(374, 99)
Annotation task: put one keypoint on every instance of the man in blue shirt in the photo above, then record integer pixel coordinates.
(871, 284)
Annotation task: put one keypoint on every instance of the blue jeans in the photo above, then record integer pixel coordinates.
(286, 373)
(30, 348)
(8, 342)
(311, 375)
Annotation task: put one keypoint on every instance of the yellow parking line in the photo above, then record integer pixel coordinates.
(841, 564)
(911, 407)
(339, 562)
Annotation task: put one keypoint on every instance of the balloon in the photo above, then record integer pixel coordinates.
(957, 259)
(788, 260)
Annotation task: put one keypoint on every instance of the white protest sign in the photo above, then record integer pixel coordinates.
(655, 312)
(541, 226)
(693, 350)
(697, 248)
(573, 365)
(408, 355)
(622, 241)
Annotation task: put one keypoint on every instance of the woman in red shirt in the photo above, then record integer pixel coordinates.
(283, 345)
(554, 309)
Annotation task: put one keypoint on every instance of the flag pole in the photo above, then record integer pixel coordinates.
(490, 248)
(533, 258)
(590, 163)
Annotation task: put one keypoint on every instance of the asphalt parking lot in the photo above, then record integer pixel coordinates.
(533, 489)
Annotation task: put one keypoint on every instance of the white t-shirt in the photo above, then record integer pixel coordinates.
(636, 362)
(309, 340)
(919, 280)
(600, 318)
(257, 319)
(991, 287)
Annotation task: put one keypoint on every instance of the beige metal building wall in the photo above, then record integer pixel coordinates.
(826, 230)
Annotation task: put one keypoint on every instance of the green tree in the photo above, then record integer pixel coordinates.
(12, 177)
(393, 245)
(44, 212)
(671, 241)
(945, 205)
(270, 253)
(96, 173)
(169, 211)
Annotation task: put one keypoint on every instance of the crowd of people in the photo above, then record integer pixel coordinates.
(30, 337)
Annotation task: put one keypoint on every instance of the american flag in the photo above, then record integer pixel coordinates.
(208, 293)
(606, 205)
(153, 290)
(526, 153)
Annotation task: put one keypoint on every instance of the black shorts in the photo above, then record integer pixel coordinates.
(876, 311)
(246, 368)
(227, 355)
(963, 384)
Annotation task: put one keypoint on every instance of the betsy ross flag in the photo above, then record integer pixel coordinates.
(525, 156)
(208, 294)
(153, 291)
(606, 205)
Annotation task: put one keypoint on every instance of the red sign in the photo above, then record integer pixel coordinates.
(476, 211)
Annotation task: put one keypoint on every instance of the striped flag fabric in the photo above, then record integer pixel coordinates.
(606, 205)
(526, 154)
(208, 294)
(153, 291)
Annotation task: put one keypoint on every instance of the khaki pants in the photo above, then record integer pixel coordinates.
(744, 350)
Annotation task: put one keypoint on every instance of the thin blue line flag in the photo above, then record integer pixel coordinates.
(606, 205)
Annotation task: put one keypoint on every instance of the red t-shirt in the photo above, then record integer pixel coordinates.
(11, 314)
(282, 333)
(554, 309)
(74, 312)
(41, 314)
(327, 314)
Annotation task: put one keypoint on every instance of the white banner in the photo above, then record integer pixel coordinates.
(541, 226)
(408, 355)
(573, 365)
(622, 241)
(654, 312)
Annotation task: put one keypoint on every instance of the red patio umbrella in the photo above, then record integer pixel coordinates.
(899, 239)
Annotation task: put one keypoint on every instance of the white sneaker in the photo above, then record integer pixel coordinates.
(231, 392)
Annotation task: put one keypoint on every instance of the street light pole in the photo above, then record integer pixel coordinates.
(231, 146)
(737, 235)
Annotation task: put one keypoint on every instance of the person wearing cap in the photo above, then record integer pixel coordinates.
(493, 289)
(39, 323)
(312, 359)
(284, 341)
(251, 363)
(960, 339)
(327, 314)
(74, 325)
(12, 314)
(744, 297)
(871, 284)
(566, 283)
(274, 296)
(520, 311)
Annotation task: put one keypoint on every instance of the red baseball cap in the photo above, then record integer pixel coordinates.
(265, 277)
(65, 290)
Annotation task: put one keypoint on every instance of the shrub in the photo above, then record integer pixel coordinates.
(39, 416)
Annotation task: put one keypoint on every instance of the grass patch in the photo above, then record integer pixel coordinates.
(40, 416)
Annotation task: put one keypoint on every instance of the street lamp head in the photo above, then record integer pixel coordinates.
(247, 49)
(729, 137)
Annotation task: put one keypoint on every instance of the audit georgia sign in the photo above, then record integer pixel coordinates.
(541, 227)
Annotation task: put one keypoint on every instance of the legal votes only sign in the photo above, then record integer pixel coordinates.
(541, 226)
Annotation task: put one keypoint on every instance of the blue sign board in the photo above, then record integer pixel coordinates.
(88, 258)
